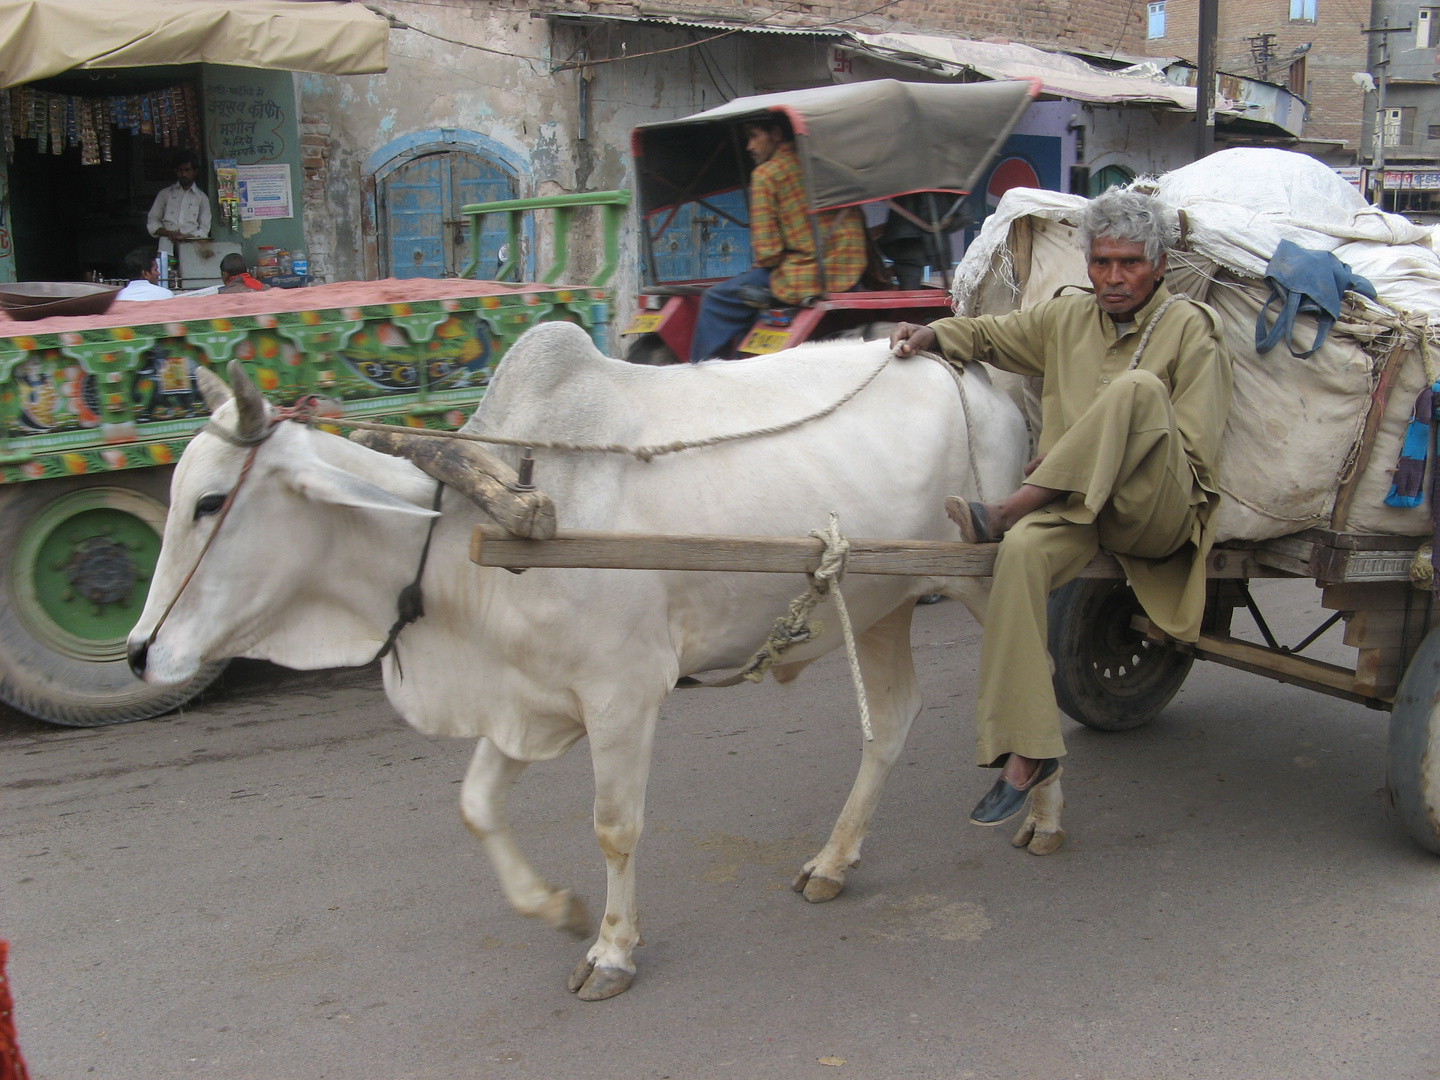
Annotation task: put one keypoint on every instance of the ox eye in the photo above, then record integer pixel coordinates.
(208, 504)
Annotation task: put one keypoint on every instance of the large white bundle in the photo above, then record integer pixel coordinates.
(1295, 426)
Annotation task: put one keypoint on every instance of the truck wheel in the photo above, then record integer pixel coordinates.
(650, 349)
(1108, 676)
(75, 563)
(1413, 762)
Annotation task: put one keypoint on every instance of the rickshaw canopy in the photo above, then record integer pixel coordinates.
(857, 142)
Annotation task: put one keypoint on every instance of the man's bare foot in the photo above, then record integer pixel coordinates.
(1019, 771)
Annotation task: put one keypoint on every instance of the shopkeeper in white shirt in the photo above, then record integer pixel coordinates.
(182, 210)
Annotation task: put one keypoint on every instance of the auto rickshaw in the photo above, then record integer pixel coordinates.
(858, 143)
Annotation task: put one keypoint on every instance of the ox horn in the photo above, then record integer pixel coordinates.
(212, 388)
(249, 403)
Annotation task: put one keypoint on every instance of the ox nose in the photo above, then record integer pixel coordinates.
(138, 654)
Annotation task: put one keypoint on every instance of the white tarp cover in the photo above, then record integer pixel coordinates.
(1059, 74)
(1294, 424)
(42, 38)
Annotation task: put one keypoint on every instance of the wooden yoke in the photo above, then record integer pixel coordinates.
(478, 475)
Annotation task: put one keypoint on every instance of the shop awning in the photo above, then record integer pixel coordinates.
(41, 38)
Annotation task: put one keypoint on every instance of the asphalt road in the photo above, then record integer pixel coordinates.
(276, 885)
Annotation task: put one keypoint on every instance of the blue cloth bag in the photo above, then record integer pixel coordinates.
(1313, 282)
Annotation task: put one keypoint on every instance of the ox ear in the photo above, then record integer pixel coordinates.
(249, 403)
(323, 482)
(212, 388)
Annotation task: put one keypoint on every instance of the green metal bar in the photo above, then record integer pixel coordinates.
(473, 228)
(614, 216)
(564, 215)
(613, 204)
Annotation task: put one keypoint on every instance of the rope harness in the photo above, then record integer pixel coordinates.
(642, 453)
(409, 606)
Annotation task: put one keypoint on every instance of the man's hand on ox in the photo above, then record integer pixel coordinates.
(907, 339)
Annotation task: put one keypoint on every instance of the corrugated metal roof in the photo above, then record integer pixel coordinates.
(687, 23)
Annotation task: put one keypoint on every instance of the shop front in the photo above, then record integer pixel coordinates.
(87, 148)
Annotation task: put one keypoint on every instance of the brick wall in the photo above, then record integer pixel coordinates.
(316, 146)
(1337, 49)
(1102, 25)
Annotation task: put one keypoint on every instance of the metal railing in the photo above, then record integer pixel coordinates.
(613, 205)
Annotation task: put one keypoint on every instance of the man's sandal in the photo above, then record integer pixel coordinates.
(972, 519)
(1003, 801)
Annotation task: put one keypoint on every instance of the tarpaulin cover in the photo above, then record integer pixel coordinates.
(1062, 75)
(42, 38)
(857, 142)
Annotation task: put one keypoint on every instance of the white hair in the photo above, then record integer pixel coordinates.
(1130, 217)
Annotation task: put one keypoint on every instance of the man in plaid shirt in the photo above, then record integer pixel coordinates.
(782, 244)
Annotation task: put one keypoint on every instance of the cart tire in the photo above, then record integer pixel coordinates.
(75, 563)
(651, 350)
(1108, 676)
(1413, 761)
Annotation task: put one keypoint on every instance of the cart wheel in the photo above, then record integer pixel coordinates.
(75, 564)
(1413, 762)
(1108, 676)
(650, 349)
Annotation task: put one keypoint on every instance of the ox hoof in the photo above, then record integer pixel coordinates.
(1038, 843)
(1046, 843)
(816, 888)
(566, 911)
(591, 983)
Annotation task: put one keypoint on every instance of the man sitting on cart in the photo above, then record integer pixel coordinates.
(1136, 390)
(782, 244)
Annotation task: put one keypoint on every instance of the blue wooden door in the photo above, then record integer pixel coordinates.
(475, 180)
(424, 232)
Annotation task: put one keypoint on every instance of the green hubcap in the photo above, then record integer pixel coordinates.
(82, 570)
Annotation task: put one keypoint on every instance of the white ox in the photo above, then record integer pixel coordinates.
(324, 534)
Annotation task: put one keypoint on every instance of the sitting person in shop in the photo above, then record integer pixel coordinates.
(236, 276)
(141, 265)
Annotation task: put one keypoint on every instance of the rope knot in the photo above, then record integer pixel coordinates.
(835, 557)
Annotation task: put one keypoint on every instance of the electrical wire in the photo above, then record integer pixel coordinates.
(400, 24)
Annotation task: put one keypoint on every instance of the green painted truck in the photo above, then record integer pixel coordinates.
(95, 410)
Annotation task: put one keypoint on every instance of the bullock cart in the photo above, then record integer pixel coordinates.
(1114, 671)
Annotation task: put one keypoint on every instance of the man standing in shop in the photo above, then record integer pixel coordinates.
(181, 211)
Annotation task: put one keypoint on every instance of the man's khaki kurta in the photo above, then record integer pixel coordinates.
(1140, 458)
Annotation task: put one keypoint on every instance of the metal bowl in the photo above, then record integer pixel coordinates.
(41, 299)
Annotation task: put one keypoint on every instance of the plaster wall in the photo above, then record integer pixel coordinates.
(518, 111)
(1145, 141)
(1412, 83)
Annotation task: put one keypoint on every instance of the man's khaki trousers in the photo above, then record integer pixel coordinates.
(1132, 492)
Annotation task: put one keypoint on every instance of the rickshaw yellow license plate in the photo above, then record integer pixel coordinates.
(644, 323)
(765, 341)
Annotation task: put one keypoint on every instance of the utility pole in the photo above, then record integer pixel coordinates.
(1262, 51)
(1377, 156)
(1205, 79)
